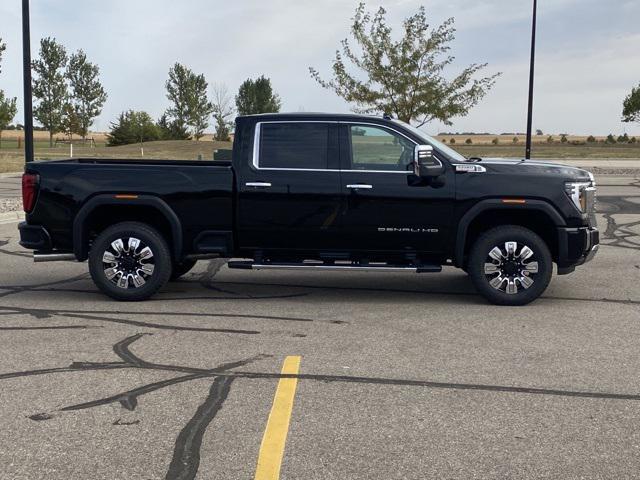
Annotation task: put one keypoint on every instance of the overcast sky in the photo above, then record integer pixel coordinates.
(588, 55)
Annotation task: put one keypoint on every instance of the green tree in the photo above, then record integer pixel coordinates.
(8, 106)
(191, 108)
(222, 113)
(539, 132)
(257, 96)
(405, 77)
(631, 106)
(563, 138)
(87, 93)
(132, 127)
(623, 138)
(610, 139)
(591, 139)
(171, 130)
(8, 110)
(49, 86)
(71, 121)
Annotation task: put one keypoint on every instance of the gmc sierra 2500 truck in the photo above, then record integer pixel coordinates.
(315, 191)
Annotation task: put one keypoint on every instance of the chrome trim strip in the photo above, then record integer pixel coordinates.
(256, 148)
(360, 185)
(258, 184)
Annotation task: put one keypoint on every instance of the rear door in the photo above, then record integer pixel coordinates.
(289, 195)
(386, 207)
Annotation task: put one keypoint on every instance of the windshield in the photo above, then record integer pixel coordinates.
(436, 144)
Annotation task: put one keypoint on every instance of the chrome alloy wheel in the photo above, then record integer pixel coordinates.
(511, 267)
(130, 266)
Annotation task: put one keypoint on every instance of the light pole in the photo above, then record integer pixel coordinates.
(26, 64)
(527, 153)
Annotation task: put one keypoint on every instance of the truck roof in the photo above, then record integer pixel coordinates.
(314, 116)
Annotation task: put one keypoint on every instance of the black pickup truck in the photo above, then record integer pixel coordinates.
(315, 191)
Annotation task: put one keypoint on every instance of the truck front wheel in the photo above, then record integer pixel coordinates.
(510, 265)
(130, 261)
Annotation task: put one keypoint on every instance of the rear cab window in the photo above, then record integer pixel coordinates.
(295, 146)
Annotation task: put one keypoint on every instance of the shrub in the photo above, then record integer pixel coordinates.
(591, 139)
(633, 140)
(452, 141)
(133, 127)
(515, 140)
(623, 138)
(610, 139)
(563, 138)
(468, 141)
(495, 141)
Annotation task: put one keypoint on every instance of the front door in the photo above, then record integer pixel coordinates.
(290, 191)
(385, 206)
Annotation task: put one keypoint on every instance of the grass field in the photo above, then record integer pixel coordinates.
(12, 159)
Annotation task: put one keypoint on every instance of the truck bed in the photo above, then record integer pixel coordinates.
(200, 193)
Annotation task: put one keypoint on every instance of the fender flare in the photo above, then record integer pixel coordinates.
(493, 204)
(80, 247)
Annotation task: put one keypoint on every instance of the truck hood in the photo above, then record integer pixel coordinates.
(514, 166)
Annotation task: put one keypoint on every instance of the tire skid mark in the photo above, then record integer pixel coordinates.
(186, 455)
(42, 313)
(52, 327)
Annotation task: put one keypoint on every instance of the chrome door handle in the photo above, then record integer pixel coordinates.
(360, 186)
(258, 184)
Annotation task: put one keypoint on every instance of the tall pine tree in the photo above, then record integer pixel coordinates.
(257, 96)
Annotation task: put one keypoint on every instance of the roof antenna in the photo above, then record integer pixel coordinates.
(28, 102)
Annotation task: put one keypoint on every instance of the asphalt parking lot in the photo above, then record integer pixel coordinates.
(400, 376)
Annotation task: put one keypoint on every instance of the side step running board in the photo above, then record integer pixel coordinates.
(371, 267)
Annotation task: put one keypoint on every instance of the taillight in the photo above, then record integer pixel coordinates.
(29, 191)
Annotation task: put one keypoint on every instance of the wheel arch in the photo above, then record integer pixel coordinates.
(537, 215)
(104, 210)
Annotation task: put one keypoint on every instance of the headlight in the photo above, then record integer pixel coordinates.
(577, 192)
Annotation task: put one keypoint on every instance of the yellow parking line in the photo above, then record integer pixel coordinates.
(275, 435)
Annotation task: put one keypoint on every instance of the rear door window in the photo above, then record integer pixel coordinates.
(294, 146)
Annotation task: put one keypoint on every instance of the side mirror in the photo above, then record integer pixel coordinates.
(425, 164)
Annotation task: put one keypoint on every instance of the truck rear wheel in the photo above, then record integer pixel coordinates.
(130, 261)
(510, 265)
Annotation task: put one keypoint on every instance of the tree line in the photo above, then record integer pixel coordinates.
(192, 110)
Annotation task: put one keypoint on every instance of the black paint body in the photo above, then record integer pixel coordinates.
(207, 207)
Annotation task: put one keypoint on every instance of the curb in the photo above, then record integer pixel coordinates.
(11, 217)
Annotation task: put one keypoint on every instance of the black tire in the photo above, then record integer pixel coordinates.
(129, 266)
(529, 276)
(182, 268)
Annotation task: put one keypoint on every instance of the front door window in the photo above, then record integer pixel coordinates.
(375, 148)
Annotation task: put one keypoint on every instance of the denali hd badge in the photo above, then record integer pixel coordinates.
(407, 230)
